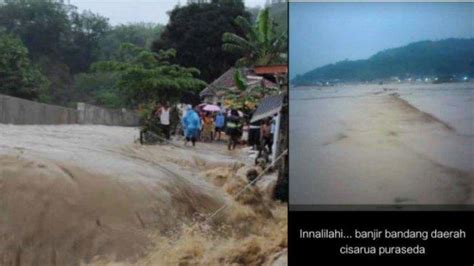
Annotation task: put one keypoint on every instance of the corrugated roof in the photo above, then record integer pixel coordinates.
(269, 106)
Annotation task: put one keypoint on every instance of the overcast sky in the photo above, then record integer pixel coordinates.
(126, 11)
(324, 33)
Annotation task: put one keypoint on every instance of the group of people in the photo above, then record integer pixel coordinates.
(198, 124)
(208, 126)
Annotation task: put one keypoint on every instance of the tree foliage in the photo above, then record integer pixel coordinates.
(145, 76)
(60, 40)
(18, 77)
(63, 43)
(139, 34)
(260, 45)
(98, 88)
(246, 97)
(55, 30)
(83, 47)
(195, 31)
(41, 25)
(239, 80)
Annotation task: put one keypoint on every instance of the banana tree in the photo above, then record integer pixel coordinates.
(245, 97)
(260, 45)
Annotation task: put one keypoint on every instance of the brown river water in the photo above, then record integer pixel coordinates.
(385, 144)
(74, 195)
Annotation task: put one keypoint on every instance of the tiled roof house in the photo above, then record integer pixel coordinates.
(216, 91)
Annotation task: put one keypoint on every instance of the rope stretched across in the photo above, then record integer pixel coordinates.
(238, 193)
(248, 185)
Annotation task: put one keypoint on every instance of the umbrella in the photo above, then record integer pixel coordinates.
(211, 108)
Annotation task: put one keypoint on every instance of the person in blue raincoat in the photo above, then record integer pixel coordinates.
(219, 123)
(191, 125)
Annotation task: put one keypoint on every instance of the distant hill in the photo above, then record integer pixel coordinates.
(425, 58)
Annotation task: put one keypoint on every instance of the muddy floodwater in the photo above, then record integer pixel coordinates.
(79, 194)
(382, 144)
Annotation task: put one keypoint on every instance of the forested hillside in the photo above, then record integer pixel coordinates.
(425, 58)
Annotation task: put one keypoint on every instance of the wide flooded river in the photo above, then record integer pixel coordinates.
(382, 144)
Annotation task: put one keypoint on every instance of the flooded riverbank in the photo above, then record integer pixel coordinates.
(382, 144)
(89, 194)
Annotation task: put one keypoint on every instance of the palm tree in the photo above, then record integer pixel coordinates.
(260, 45)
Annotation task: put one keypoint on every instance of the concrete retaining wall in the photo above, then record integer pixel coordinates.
(90, 114)
(23, 112)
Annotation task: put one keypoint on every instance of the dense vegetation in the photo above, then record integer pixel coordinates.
(139, 34)
(425, 58)
(99, 87)
(51, 52)
(142, 75)
(195, 31)
(57, 45)
(18, 77)
(260, 45)
(60, 41)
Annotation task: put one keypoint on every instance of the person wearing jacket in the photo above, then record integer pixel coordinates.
(234, 129)
(191, 124)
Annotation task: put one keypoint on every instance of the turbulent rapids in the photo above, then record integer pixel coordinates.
(88, 194)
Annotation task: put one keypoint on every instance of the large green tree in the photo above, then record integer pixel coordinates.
(100, 88)
(195, 31)
(18, 77)
(145, 76)
(260, 44)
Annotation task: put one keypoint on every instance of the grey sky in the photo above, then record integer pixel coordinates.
(324, 33)
(126, 11)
